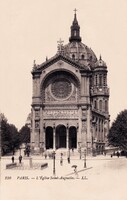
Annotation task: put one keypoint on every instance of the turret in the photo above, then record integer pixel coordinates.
(75, 30)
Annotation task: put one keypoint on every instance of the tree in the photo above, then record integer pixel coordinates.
(118, 132)
(9, 136)
(25, 134)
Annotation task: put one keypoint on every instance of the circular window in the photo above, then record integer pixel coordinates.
(61, 88)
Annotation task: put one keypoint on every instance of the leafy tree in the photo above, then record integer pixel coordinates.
(25, 134)
(9, 136)
(118, 132)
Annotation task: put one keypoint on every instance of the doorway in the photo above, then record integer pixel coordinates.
(72, 137)
(49, 137)
(60, 136)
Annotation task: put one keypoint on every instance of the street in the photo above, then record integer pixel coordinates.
(103, 178)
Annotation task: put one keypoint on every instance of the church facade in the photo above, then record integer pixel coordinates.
(70, 99)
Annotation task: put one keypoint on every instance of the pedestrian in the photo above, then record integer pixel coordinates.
(45, 155)
(61, 161)
(76, 172)
(13, 159)
(111, 155)
(68, 159)
(118, 154)
(20, 159)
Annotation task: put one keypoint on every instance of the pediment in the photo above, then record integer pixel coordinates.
(58, 58)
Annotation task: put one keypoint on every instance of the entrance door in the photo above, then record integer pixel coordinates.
(49, 137)
(60, 136)
(72, 137)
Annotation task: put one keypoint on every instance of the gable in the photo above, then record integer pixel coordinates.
(59, 60)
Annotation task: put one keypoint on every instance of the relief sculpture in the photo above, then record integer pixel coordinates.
(58, 114)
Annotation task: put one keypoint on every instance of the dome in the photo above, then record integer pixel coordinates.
(100, 64)
(75, 49)
(81, 53)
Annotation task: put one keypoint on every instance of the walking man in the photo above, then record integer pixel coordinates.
(13, 159)
(20, 159)
(61, 161)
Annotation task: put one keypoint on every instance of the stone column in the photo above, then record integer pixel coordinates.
(77, 134)
(54, 137)
(41, 128)
(89, 135)
(44, 137)
(67, 137)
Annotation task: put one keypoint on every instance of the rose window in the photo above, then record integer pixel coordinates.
(61, 88)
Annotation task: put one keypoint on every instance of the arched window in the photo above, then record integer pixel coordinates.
(106, 106)
(100, 80)
(96, 79)
(95, 104)
(100, 105)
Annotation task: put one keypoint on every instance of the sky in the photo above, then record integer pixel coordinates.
(30, 29)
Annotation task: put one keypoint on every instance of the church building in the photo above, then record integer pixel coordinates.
(70, 99)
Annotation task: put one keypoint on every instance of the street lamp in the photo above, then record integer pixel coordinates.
(68, 158)
(80, 150)
(20, 150)
(84, 158)
(0, 137)
(54, 170)
(80, 153)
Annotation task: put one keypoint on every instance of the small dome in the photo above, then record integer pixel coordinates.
(100, 63)
(79, 52)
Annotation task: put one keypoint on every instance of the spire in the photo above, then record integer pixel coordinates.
(75, 30)
(100, 57)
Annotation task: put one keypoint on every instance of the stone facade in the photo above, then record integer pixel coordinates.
(70, 99)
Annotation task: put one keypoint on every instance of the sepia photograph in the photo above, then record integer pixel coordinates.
(63, 100)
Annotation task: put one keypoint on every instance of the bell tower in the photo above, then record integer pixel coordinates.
(100, 110)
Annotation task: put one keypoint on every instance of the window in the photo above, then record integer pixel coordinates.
(100, 80)
(104, 80)
(100, 105)
(96, 79)
(106, 106)
(95, 104)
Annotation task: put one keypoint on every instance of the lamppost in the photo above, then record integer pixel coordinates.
(80, 150)
(54, 169)
(20, 150)
(84, 158)
(0, 137)
(68, 158)
(80, 153)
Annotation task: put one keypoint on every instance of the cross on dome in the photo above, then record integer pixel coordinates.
(60, 42)
(75, 10)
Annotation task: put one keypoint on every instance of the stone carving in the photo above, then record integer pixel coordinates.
(60, 63)
(84, 115)
(73, 96)
(48, 96)
(37, 113)
(83, 126)
(60, 114)
(36, 124)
